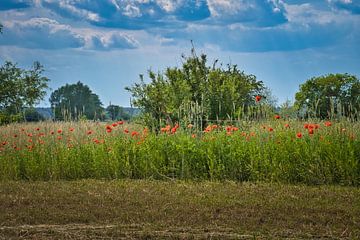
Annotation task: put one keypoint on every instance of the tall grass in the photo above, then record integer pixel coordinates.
(252, 151)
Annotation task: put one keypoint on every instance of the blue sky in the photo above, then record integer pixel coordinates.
(106, 44)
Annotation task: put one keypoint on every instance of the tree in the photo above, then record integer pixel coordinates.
(116, 112)
(194, 93)
(21, 89)
(1, 28)
(329, 96)
(75, 101)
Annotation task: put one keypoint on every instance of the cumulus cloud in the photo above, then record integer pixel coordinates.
(45, 33)
(255, 12)
(352, 6)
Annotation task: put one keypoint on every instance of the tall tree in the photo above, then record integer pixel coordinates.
(195, 92)
(21, 88)
(74, 101)
(330, 95)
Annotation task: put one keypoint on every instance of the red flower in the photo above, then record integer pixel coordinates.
(287, 125)
(59, 131)
(306, 125)
(311, 131)
(114, 124)
(37, 129)
(134, 133)
(71, 129)
(277, 117)
(126, 131)
(327, 124)
(173, 130)
(89, 132)
(299, 135)
(108, 130)
(108, 127)
(257, 98)
(271, 129)
(52, 132)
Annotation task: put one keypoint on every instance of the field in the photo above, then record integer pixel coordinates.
(269, 151)
(148, 209)
(251, 180)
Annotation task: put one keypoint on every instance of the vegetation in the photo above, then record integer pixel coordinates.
(20, 89)
(330, 96)
(76, 101)
(195, 93)
(116, 112)
(274, 151)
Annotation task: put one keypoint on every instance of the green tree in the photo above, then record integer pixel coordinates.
(194, 93)
(21, 89)
(76, 101)
(116, 112)
(329, 96)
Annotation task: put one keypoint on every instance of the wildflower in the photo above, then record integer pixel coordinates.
(306, 125)
(120, 122)
(59, 137)
(89, 132)
(214, 126)
(4, 143)
(257, 98)
(59, 131)
(52, 132)
(173, 130)
(114, 124)
(134, 134)
(37, 129)
(29, 135)
(71, 129)
(166, 129)
(208, 128)
(299, 135)
(287, 125)
(108, 127)
(327, 124)
(108, 130)
(277, 116)
(126, 131)
(270, 129)
(15, 135)
(311, 131)
(193, 135)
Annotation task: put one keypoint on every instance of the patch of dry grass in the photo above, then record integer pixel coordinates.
(143, 209)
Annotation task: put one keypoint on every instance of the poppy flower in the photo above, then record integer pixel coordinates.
(15, 135)
(287, 125)
(120, 122)
(134, 133)
(52, 132)
(173, 130)
(311, 131)
(71, 129)
(89, 132)
(126, 131)
(59, 131)
(114, 124)
(277, 116)
(193, 135)
(37, 129)
(327, 124)
(108, 127)
(299, 135)
(257, 98)
(270, 129)
(108, 130)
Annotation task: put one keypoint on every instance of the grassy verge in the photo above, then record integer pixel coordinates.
(130, 209)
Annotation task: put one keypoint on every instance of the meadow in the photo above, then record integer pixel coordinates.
(281, 150)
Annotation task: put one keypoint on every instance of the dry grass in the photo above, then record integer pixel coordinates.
(130, 209)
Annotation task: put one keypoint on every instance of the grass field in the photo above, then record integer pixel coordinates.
(278, 150)
(144, 209)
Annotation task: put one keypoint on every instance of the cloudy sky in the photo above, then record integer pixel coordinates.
(106, 44)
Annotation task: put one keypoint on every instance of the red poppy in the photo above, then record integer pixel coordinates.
(52, 132)
(37, 129)
(258, 98)
(71, 129)
(108, 130)
(59, 131)
(126, 131)
(193, 135)
(299, 135)
(306, 125)
(173, 130)
(4, 143)
(15, 135)
(311, 131)
(287, 125)
(89, 132)
(134, 133)
(114, 124)
(277, 116)
(271, 129)
(108, 127)
(327, 124)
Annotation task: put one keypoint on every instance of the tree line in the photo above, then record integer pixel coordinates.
(195, 93)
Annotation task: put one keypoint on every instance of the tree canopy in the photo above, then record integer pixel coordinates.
(116, 112)
(75, 101)
(20, 88)
(329, 96)
(195, 92)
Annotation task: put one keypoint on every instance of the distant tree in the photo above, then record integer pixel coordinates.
(76, 101)
(329, 96)
(31, 115)
(21, 89)
(117, 113)
(194, 93)
(1, 28)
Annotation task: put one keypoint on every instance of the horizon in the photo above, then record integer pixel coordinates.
(108, 44)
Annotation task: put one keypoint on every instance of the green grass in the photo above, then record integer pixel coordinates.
(250, 153)
(145, 209)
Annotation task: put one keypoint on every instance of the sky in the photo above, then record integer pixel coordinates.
(106, 44)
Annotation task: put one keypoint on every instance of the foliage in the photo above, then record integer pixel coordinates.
(276, 151)
(117, 113)
(31, 115)
(76, 101)
(330, 96)
(20, 88)
(194, 93)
